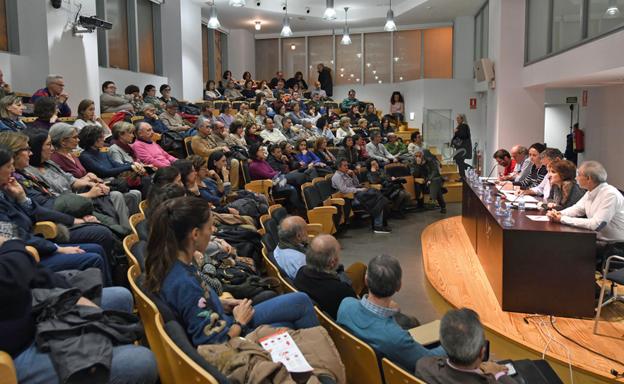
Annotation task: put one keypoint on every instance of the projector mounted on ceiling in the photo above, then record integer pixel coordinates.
(88, 24)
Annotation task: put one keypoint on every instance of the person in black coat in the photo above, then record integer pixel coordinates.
(298, 79)
(323, 277)
(325, 78)
(462, 143)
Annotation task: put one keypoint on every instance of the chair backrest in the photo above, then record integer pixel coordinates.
(245, 168)
(143, 207)
(183, 368)
(278, 214)
(187, 145)
(8, 375)
(311, 196)
(393, 374)
(148, 311)
(271, 269)
(128, 243)
(287, 285)
(267, 241)
(135, 220)
(325, 188)
(360, 360)
(397, 170)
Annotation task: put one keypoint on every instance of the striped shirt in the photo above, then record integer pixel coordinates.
(534, 178)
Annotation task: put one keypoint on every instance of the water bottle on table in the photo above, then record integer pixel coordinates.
(521, 205)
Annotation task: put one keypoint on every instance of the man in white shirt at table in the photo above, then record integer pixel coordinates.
(601, 209)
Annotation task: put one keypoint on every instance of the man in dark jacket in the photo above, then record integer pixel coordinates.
(19, 274)
(463, 339)
(323, 277)
(325, 78)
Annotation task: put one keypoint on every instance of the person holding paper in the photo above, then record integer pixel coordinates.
(523, 165)
(601, 209)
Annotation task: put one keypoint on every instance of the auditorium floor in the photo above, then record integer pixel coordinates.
(360, 244)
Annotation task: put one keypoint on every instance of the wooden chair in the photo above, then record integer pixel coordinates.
(135, 220)
(286, 286)
(143, 206)
(107, 117)
(68, 120)
(129, 242)
(182, 367)
(33, 252)
(27, 120)
(148, 311)
(47, 229)
(402, 171)
(318, 212)
(7, 369)
(393, 374)
(360, 360)
(187, 145)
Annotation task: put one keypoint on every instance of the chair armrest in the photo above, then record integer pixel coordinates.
(343, 195)
(334, 201)
(33, 252)
(314, 229)
(419, 180)
(259, 186)
(375, 186)
(7, 369)
(47, 229)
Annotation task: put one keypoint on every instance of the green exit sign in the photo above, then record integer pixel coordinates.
(571, 100)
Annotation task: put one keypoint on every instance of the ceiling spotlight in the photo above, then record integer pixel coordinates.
(376, 77)
(258, 25)
(390, 25)
(237, 3)
(396, 58)
(346, 40)
(331, 61)
(341, 69)
(213, 22)
(358, 79)
(380, 81)
(330, 12)
(286, 31)
(293, 47)
(612, 10)
(368, 65)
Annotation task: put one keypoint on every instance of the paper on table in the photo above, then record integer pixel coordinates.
(538, 217)
(283, 350)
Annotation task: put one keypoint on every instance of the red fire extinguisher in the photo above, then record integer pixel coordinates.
(578, 139)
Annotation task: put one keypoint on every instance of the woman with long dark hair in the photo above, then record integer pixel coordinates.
(180, 232)
(397, 106)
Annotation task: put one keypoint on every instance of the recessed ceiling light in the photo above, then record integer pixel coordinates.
(258, 25)
(342, 75)
(401, 78)
(293, 47)
(380, 81)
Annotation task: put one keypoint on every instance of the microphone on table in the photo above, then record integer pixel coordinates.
(489, 174)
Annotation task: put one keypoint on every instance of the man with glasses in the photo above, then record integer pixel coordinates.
(110, 101)
(55, 88)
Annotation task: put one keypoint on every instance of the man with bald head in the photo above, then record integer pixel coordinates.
(293, 243)
(523, 164)
(320, 277)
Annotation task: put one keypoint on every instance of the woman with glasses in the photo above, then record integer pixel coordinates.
(149, 97)
(165, 91)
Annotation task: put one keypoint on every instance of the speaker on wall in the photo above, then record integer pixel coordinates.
(484, 70)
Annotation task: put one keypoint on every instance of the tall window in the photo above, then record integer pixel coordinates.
(537, 29)
(348, 60)
(118, 53)
(438, 51)
(320, 50)
(293, 56)
(205, 50)
(376, 58)
(566, 21)
(407, 48)
(145, 13)
(481, 32)
(4, 30)
(267, 60)
(219, 38)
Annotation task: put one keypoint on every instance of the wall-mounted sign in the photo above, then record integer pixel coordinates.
(473, 103)
(571, 100)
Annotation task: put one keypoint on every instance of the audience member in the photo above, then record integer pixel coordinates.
(110, 101)
(298, 80)
(372, 318)
(133, 94)
(462, 143)
(244, 115)
(543, 189)
(55, 88)
(416, 144)
(86, 116)
(248, 91)
(346, 182)
(323, 127)
(601, 209)
(344, 129)
(252, 135)
(236, 139)
(354, 114)
(205, 113)
(20, 275)
(349, 152)
(5, 88)
(149, 97)
(325, 79)
(120, 150)
(377, 151)
(150, 117)
(148, 151)
(396, 147)
(263, 90)
(463, 339)
(324, 154)
(165, 94)
(211, 92)
(385, 126)
(45, 111)
(270, 134)
(397, 106)
(172, 119)
(391, 187)
(224, 116)
(279, 75)
(11, 109)
(371, 115)
(181, 230)
(426, 168)
(293, 243)
(231, 92)
(318, 90)
(350, 100)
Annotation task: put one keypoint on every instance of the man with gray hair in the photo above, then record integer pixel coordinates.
(55, 88)
(373, 317)
(463, 339)
(293, 241)
(523, 164)
(324, 279)
(601, 209)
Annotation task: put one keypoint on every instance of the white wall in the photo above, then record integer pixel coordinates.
(192, 64)
(603, 131)
(123, 78)
(463, 47)
(242, 53)
(556, 125)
